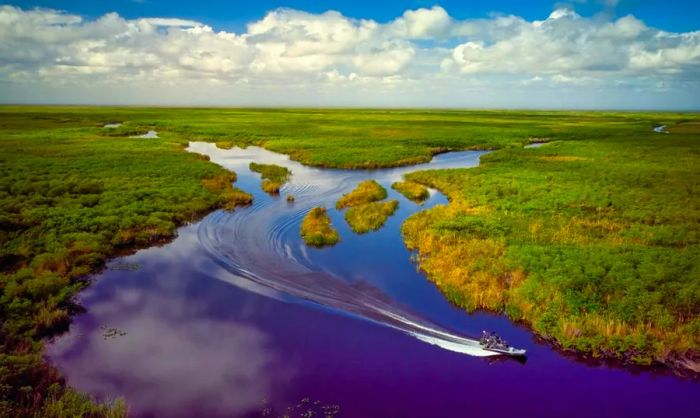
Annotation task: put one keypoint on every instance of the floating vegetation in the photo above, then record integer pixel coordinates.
(274, 176)
(109, 333)
(305, 408)
(370, 216)
(290, 198)
(366, 192)
(316, 228)
(412, 190)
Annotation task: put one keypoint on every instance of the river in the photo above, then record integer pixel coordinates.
(237, 317)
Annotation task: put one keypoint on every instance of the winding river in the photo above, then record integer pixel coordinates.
(237, 317)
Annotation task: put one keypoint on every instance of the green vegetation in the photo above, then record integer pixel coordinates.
(412, 190)
(370, 216)
(366, 213)
(71, 195)
(316, 228)
(366, 192)
(594, 243)
(274, 176)
(592, 239)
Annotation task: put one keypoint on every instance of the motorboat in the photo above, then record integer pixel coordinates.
(492, 342)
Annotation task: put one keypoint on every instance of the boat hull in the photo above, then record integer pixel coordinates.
(509, 352)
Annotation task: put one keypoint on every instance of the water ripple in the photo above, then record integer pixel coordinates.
(254, 244)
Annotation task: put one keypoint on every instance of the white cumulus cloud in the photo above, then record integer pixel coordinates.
(423, 57)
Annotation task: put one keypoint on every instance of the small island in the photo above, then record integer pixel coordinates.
(370, 216)
(316, 228)
(274, 176)
(366, 212)
(366, 192)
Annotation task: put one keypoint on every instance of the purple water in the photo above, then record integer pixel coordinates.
(236, 317)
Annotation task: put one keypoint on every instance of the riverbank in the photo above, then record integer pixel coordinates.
(593, 244)
(73, 197)
(74, 193)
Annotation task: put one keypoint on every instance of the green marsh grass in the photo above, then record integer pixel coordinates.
(370, 216)
(274, 176)
(316, 228)
(594, 242)
(411, 190)
(592, 239)
(366, 192)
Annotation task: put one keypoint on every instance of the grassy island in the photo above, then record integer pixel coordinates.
(274, 176)
(412, 190)
(366, 192)
(370, 216)
(316, 228)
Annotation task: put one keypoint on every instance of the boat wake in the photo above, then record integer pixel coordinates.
(260, 246)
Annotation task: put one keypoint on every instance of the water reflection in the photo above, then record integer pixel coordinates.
(153, 352)
(172, 352)
(262, 244)
(197, 346)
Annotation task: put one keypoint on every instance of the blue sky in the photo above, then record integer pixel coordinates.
(635, 54)
(672, 15)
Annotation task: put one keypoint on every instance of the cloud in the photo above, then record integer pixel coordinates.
(138, 366)
(43, 52)
(566, 45)
(423, 23)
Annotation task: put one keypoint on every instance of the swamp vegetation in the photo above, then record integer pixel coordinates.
(594, 243)
(412, 190)
(366, 192)
(274, 176)
(366, 212)
(316, 228)
(591, 239)
(370, 216)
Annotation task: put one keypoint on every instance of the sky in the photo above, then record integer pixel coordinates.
(592, 54)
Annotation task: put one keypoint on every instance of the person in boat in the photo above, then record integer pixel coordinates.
(492, 340)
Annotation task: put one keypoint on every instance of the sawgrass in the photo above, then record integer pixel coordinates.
(366, 192)
(274, 176)
(594, 243)
(413, 191)
(316, 228)
(592, 239)
(370, 216)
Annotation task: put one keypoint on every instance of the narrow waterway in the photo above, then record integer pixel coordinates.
(237, 317)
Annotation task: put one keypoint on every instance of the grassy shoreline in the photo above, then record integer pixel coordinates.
(74, 194)
(606, 266)
(273, 176)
